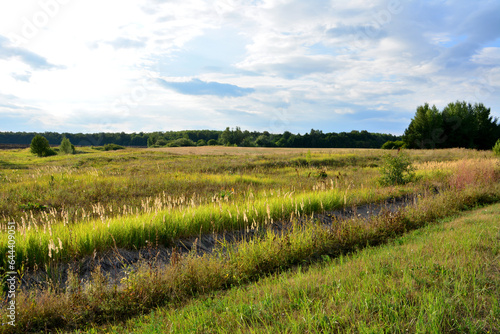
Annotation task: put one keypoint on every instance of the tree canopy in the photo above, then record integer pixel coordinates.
(40, 146)
(229, 137)
(459, 124)
(66, 147)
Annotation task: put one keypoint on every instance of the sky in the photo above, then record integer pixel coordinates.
(263, 65)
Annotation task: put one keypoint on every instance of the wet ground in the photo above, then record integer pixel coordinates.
(116, 262)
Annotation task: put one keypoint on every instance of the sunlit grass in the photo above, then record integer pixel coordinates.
(95, 201)
(235, 265)
(67, 208)
(440, 279)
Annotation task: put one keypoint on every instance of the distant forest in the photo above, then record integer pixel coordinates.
(228, 137)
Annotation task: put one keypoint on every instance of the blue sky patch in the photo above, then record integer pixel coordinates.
(199, 87)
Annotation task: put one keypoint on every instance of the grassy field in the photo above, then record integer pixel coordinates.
(70, 208)
(443, 278)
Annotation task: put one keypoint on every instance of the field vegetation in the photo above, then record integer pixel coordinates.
(443, 278)
(73, 207)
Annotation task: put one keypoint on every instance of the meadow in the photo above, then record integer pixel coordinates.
(75, 207)
(443, 278)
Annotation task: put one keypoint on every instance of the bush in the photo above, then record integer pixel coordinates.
(113, 147)
(389, 145)
(212, 142)
(201, 142)
(181, 142)
(40, 146)
(397, 169)
(161, 142)
(496, 148)
(66, 147)
(50, 152)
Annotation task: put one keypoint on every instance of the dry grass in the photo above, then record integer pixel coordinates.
(435, 280)
(473, 172)
(189, 276)
(186, 191)
(223, 150)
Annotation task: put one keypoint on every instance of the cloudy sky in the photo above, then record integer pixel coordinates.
(266, 65)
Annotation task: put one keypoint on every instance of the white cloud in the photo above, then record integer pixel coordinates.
(271, 64)
(487, 56)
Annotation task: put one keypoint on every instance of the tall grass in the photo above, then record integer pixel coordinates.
(440, 279)
(189, 276)
(70, 187)
(42, 244)
(183, 196)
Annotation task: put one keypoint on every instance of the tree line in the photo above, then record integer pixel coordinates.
(459, 124)
(228, 137)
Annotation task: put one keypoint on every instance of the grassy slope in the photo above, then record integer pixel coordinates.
(442, 278)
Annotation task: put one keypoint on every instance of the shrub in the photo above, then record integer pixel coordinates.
(161, 142)
(40, 146)
(181, 142)
(496, 148)
(113, 147)
(201, 142)
(49, 152)
(396, 169)
(389, 145)
(66, 147)
(212, 142)
(32, 207)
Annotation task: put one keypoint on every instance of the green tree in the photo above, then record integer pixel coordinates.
(230, 137)
(66, 147)
(496, 148)
(460, 124)
(40, 146)
(161, 142)
(488, 129)
(425, 129)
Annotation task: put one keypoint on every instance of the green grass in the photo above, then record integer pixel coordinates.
(187, 277)
(443, 278)
(66, 208)
(78, 210)
(70, 184)
(66, 241)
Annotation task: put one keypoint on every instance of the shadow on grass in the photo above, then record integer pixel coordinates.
(9, 165)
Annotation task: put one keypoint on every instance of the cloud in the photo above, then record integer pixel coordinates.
(487, 56)
(291, 66)
(343, 111)
(199, 87)
(26, 76)
(8, 104)
(330, 65)
(32, 59)
(127, 43)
